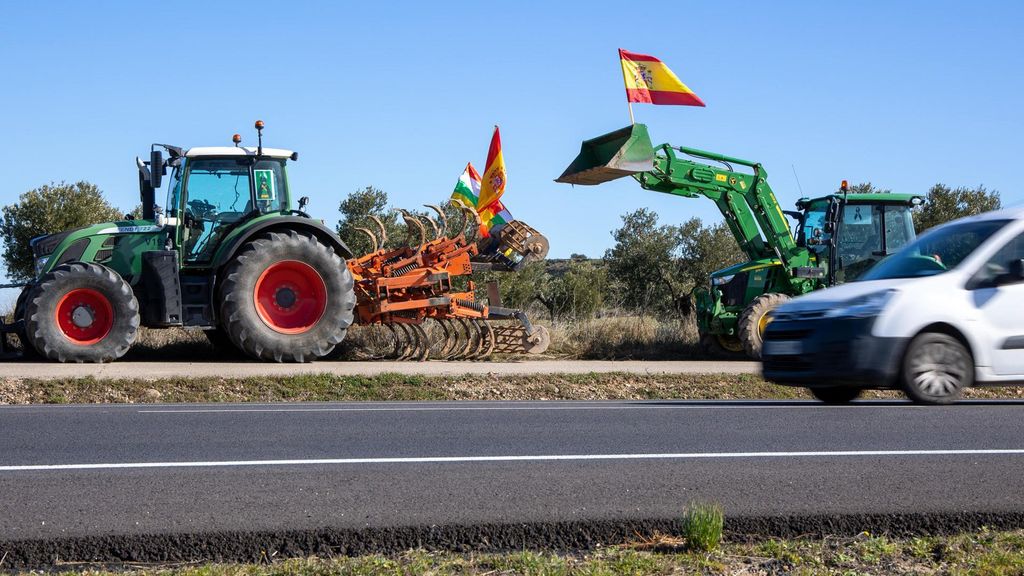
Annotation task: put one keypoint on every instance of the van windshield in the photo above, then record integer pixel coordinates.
(936, 252)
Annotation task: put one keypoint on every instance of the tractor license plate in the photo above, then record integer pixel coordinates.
(782, 347)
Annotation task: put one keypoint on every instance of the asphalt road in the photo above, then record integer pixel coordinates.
(101, 470)
(178, 369)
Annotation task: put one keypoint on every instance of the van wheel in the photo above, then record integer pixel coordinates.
(755, 318)
(936, 369)
(836, 394)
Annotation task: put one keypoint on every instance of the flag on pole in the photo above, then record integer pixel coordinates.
(649, 80)
(493, 218)
(467, 189)
(493, 184)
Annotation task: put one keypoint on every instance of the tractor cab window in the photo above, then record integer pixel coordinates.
(174, 192)
(268, 175)
(899, 228)
(219, 194)
(860, 240)
(812, 235)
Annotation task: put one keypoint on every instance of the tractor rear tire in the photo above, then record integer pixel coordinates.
(755, 319)
(28, 352)
(286, 297)
(81, 312)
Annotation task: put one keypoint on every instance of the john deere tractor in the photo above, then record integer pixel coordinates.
(837, 237)
(232, 253)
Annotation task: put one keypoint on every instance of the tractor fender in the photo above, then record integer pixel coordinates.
(284, 223)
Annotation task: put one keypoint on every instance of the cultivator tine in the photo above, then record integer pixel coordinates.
(464, 348)
(403, 341)
(412, 225)
(422, 342)
(451, 338)
(471, 233)
(373, 238)
(383, 230)
(486, 338)
(433, 226)
(441, 217)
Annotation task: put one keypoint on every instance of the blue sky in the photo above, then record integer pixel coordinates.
(400, 95)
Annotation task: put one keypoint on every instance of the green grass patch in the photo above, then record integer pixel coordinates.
(390, 386)
(984, 553)
(702, 526)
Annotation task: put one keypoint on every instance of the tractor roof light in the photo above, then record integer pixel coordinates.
(237, 139)
(845, 186)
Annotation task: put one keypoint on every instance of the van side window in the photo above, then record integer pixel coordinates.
(999, 265)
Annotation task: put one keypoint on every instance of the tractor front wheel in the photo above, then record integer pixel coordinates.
(286, 297)
(81, 312)
(755, 318)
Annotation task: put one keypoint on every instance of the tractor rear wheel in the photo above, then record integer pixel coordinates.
(286, 297)
(81, 312)
(755, 318)
(27, 350)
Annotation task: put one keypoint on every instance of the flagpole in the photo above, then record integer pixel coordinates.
(630, 104)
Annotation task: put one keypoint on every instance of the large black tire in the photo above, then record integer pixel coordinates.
(81, 312)
(936, 369)
(714, 346)
(289, 266)
(753, 321)
(836, 394)
(28, 352)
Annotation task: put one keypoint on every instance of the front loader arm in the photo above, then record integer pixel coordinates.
(745, 200)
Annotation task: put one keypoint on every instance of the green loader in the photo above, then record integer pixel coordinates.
(232, 253)
(837, 237)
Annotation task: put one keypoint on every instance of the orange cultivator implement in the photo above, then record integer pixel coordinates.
(408, 292)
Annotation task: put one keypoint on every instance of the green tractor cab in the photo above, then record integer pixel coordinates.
(232, 253)
(836, 239)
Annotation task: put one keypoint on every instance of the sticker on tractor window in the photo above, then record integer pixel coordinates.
(265, 190)
(857, 214)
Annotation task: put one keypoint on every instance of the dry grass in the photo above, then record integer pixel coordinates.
(625, 337)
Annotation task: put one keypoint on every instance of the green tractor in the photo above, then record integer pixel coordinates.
(233, 254)
(837, 237)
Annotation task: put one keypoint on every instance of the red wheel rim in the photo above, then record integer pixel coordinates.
(84, 316)
(290, 297)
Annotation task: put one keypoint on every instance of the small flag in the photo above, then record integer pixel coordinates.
(493, 218)
(467, 189)
(649, 80)
(493, 185)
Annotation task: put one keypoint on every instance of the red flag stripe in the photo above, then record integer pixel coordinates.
(495, 148)
(663, 97)
(636, 57)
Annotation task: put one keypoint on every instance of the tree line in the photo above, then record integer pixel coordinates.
(651, 267)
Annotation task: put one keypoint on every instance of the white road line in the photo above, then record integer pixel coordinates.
(536, 458)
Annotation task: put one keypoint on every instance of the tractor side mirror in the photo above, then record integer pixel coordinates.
(156, 168)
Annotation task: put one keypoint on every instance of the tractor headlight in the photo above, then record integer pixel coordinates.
(867, 306)
(722, 280)
(41, 263)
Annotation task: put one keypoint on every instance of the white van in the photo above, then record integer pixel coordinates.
(944, 313)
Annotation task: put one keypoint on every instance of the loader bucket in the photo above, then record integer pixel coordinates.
(613, 155)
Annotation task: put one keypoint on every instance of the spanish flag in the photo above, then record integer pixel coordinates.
(648, 80)
(493, 184)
